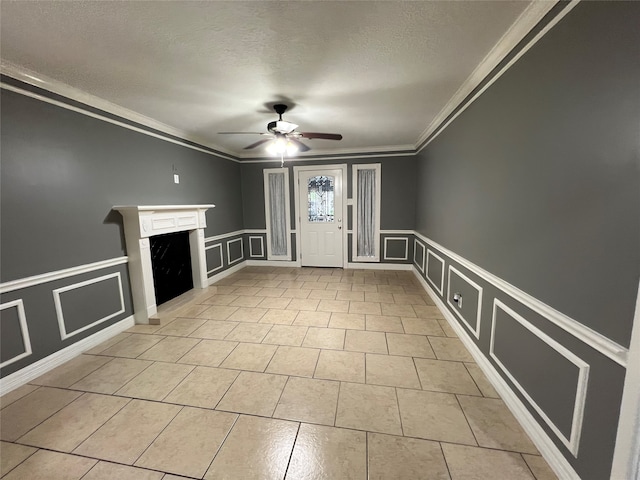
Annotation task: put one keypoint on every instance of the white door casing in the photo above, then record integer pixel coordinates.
(321, 239)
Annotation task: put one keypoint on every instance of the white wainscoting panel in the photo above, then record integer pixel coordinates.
(219, 246)
(419, 261)
(24, 330)
(252, 254)
(437, 283)
(475, 331)
(397, 239)
(235, 260)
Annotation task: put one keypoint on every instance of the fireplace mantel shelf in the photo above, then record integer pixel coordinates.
(146, 208)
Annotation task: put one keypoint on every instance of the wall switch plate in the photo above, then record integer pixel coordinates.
(176, 178)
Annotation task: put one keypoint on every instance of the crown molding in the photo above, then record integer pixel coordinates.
(386, 150)
(527, 20)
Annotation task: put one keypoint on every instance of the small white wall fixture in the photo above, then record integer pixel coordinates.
(144, 221)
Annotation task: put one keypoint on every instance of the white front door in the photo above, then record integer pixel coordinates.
(320, 212)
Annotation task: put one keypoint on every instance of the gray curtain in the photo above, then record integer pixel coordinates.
(366, 213)
(278, 214)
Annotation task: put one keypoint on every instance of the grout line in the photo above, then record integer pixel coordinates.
(275, 407)
(222, 444)
(474, 381)
(23, 460)
(417, 372)
(395, 389)
(444, 457)
(467, 419)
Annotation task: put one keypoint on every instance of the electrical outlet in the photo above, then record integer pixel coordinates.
(176, 178)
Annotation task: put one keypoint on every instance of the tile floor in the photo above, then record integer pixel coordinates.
(273, 373)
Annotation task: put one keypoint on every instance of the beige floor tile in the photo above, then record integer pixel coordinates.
(220, 299)
(203, 387)
(309, 400)
(246, 301)
(445, 376)
(123, 438)
(447, 348)
(24, 414)
(433, 416)
(408, 299)
(397, 309)
(338, 306)
(409, 345)
(257, 448)
(378, 297)
(305, 304)
(296, 361)
(70, 372)
(170, 349)
(250, 356)
(350, 296)
(286, 335)
(275, 302)
(447, 329)
(210, 353)
(539, 467)
(113, 471)
(339, 287)
(279, 317)
(187, 446)
(330, 338)
(494, 426)
(481, 381)
(315, 285)
(16, 394)
(147, 328)
(327, 452)
(245, 282)
(368, 407)
(254, 394)
(390, 289)
(132, 346)
(270, 292)
(12, 455)
(366, 308)
(112, 376)
(425, 311)
(290, 284)
(247, 314)
(382, 323)
(402, 458)
(296, 294)
(156, 382)
(351, 321)
(181, 327)
(312, 319)
(472, 463)
(191, 311)
(248, 332)
(323, 295)
(369, 288)
(214, 329)
(217, 312)
(343, 366)
(422, 326)
(72, 425)
(362, 341)
(44, 465)
(107, 343)
(391, 370)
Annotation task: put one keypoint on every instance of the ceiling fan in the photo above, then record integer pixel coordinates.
(283, 136)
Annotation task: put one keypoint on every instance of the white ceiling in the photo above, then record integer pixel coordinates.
(377, 72)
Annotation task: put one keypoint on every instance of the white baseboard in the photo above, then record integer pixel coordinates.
(229, 271)
(22, 376)
(380, 266)
(272, 263)
(542, 441)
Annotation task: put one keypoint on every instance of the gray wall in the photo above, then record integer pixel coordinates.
(61, 174)
(538, 182)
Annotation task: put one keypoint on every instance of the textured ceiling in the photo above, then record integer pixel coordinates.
(377, 72)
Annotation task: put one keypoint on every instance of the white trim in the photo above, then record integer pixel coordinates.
(255, 230)
(58, 304)
(379, 266)
(455, 308)
(537, 434)
(440, 288)
(573, 442)
(597, 341)
(328, 155)
(22, 376)
(221, 258)
(226, 273)
(267, 212)
(226, 235)
(424, 249)
(241, 257)
(60, 88)
(271, 263)
(261, 238)
(24, 331)
(396, 232)
(377, 198)
(626, 457)
(59, 274)
(296, 189)
(406, 248)
(534, 15)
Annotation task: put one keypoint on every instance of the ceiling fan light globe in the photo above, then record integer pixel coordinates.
(292, 149)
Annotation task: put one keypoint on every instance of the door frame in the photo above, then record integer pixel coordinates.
(345, 218)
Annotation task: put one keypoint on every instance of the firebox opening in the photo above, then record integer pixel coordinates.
(171, 265)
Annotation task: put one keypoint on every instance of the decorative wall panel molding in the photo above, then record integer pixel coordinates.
(475, 330)
(418, 259)
(231, 261)
(24, 330)
(253, 254)
(405, 240)
(211, 247)
(438, 283)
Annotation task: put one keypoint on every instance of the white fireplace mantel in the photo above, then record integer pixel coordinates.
(144, 221)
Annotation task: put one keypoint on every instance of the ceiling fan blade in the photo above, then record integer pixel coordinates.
(301, 146)
(324, 136)
(257, 144)
(242, 133)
